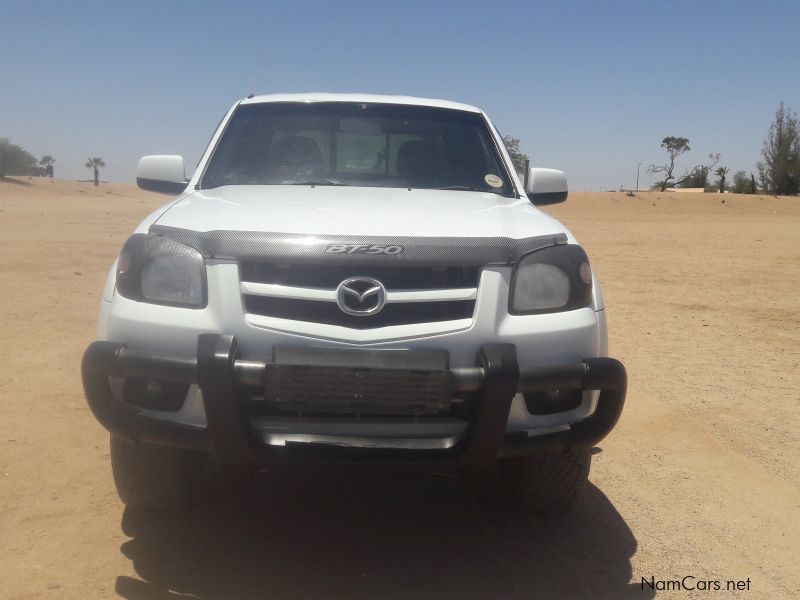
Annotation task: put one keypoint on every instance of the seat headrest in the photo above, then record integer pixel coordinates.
(298, 151)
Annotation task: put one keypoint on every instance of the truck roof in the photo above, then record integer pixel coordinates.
(371, 98)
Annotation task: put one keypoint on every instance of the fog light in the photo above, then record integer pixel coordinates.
(154, 389)
(553, 401)
(152, 394)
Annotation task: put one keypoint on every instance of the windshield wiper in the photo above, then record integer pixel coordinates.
(326, 181)
(465, 188)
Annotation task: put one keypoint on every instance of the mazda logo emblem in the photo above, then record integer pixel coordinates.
(361, 296)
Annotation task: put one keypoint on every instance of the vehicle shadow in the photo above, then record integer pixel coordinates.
(334, 536)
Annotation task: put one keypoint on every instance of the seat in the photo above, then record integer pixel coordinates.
(298, 151)
(418, 163)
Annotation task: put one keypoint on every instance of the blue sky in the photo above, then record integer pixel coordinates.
(589, 87)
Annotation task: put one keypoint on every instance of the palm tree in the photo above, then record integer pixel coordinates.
(47, 162)
(95, 163)
(721, 173)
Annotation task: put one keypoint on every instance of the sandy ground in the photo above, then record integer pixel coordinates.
(699, 479)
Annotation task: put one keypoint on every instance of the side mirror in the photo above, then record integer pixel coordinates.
(546, 186)
(163, 173)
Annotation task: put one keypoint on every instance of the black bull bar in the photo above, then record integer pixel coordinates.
(219, 372)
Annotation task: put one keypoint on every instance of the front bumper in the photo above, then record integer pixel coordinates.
(220, 373)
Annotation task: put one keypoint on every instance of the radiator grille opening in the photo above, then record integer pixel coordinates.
(329, 313)
(330, 276)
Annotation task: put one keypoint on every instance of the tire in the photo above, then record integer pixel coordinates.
(149, 476)
(541, 484)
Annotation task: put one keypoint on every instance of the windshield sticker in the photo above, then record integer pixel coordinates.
(493, 180)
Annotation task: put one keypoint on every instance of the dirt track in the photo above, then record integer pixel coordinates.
(699, 479)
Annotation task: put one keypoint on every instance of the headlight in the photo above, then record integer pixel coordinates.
(553, 279)
(161, 271)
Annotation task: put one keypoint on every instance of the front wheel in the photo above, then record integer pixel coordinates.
(156, 477)
(541, 484)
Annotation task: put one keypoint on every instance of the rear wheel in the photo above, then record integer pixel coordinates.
(156, 477)
(540, 484)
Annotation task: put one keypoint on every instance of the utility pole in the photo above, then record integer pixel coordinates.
(637, 177)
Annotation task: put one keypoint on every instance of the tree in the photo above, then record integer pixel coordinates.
(47, 163)
(779, 172)
(696, 179)
(519, 158)
(675, 147)
(95, 163)
(16, 161)
(721, 173)
(741, 183)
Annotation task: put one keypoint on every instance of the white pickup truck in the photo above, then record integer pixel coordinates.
(353, 282)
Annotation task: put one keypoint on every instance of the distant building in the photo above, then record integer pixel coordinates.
(687, 190)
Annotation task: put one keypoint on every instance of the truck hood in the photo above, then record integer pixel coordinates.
(354, 211)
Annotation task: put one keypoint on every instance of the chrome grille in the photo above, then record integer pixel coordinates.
(329, 276)
(302, 292)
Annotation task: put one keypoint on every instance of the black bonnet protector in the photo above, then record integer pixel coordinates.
(373, 250)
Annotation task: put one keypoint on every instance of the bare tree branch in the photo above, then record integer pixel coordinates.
(675, 147)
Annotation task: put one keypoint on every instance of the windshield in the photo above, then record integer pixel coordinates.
(359, 144)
